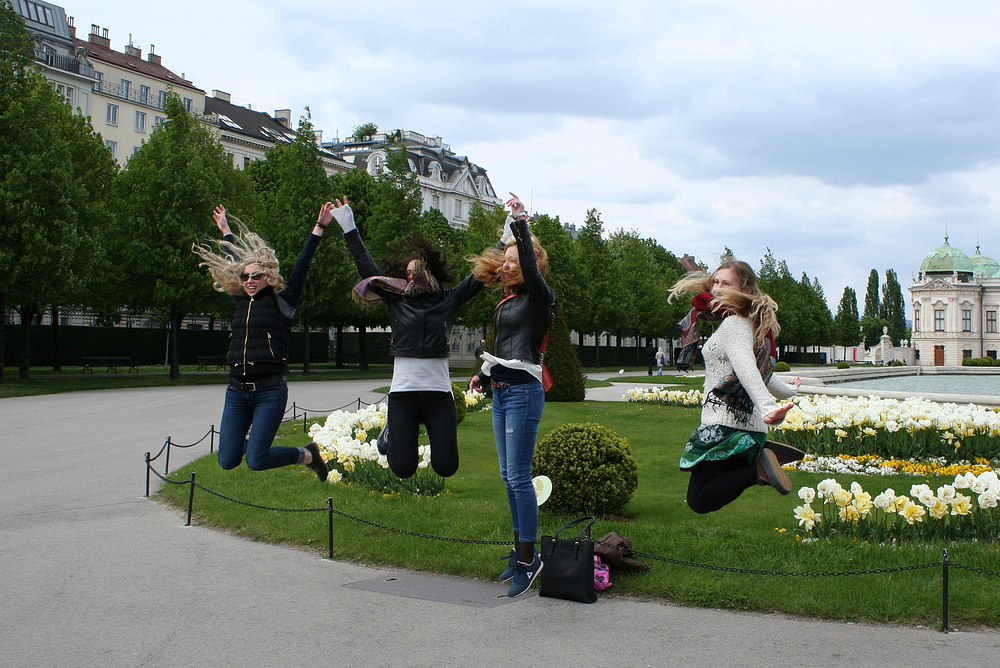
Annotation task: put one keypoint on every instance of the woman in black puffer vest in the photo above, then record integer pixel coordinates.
(247, 269)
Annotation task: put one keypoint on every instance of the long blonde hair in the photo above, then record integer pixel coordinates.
(748, 301)
(249, 248)
(488, 267)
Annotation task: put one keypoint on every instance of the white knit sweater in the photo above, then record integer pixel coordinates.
(730, 349)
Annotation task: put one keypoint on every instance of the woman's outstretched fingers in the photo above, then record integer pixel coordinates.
(777, 416)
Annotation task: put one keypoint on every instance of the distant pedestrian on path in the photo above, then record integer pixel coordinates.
(650, 358)
(661, 361)
(513, 368)
(247, 269)
(729, 451)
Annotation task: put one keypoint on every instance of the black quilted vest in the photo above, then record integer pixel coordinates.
(260, 333)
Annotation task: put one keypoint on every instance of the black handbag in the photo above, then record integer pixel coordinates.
(568, 572)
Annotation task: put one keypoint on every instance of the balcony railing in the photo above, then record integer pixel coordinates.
(132, 95)
(66, 64)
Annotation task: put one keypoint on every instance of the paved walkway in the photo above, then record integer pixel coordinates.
(93, 574)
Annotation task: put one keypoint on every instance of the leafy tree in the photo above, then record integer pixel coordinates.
(364, 130)
(847, 325)
(872, 319)
(565, 271)
(292, 186)
(599, 310)
(54, 176)
(893, 307)
(485, 225)
(164, 200)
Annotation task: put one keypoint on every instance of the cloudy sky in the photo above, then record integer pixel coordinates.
(843, 136)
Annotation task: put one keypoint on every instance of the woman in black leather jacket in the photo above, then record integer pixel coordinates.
(247, 269)
(513, 368)
(421, 312)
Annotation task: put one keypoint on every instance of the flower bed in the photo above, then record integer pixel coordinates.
(925, 514)
(912, 429)
(661, 395)
(875, 465)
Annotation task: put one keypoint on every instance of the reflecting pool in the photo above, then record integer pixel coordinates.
(941, 384)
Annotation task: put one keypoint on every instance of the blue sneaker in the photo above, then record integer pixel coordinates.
(524, 575)
(508, 572)
(382, 442)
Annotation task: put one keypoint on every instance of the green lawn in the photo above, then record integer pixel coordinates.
(755, 532)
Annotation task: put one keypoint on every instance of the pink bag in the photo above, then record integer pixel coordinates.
(602, 574)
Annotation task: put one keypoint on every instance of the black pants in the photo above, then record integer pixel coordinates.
(436, 410)
(716, 484)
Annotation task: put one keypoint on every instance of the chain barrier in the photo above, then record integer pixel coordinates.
(944, 564)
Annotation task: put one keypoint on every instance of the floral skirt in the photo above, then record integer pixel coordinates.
(714, 443)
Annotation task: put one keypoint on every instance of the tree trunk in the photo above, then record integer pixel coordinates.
(56, 356)
(597, 350)
(175, 348)
(338, 353)
(363, 345)
(305, 345)
(27, 313)
(3, 331)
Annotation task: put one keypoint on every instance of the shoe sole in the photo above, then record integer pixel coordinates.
(314, 451)
(775, 474)
(785, 454)
(530, 582)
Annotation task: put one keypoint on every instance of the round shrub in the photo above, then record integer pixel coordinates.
(591, 468)
(782, 367)
(995, 362)
(843, 365)
(897, 362)
(460, 408)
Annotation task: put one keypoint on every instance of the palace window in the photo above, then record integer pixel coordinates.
(966, 320)
(939, 320)
(991, 322)
(916, 320)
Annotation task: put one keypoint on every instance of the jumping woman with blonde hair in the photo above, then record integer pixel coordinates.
(244, 267)
(729, 450)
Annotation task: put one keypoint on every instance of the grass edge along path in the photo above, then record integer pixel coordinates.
(755, 532)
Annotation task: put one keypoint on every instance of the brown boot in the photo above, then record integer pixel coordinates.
(784, 453)
(769, 472)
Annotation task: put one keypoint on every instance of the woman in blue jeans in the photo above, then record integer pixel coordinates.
(246, 268)
(513, 369)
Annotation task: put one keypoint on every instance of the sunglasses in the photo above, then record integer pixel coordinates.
(255, 276)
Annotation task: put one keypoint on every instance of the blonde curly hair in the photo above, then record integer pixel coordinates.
(227, 260)
(748, 301)
(488, 267)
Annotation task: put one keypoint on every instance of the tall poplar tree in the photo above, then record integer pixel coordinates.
(893, 307)
(847, 325)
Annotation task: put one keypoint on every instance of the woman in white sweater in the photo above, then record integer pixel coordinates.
(729, 450)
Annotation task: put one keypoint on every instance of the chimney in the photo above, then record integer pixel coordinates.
(152, 57)
(130, 50)
(72, 27)
(319, 137)
(283, 116)
(221, 95)
(96, 38)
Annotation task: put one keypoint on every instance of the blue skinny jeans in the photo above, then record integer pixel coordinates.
(249, 422)
(517, 410)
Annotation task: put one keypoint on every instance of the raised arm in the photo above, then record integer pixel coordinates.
(342, 212)
(297, 279)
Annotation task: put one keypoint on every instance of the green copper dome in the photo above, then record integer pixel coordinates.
(983, 266)
(946, 260)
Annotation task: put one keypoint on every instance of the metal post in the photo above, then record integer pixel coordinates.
(211, 440)
(305, 427)
(147, 475)
(190, 498)
(166, 469)
(329, 519)
(294, 411)
(944, 592)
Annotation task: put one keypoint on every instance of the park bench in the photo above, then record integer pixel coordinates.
(205, 361)
(112, 363)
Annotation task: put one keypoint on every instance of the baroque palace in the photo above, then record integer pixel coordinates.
(955, 298)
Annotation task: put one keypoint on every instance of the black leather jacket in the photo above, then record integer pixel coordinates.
(262, 324)
(520, 322)
(421, 325)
